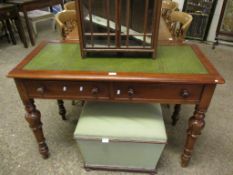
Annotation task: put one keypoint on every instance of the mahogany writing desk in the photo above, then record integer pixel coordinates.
(180, 74)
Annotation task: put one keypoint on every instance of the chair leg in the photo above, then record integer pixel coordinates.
(51, 9)
(175, 115)
(5, 31)
(215, 44)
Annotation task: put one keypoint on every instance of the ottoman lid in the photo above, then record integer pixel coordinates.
(121, 121)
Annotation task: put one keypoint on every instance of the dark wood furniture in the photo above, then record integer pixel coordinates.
(116, 26)
(137, 86)
(28, 5)
(9, 12)
(224, 30)
(3, 31)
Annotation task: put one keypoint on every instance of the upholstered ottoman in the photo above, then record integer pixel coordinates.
(121, 136)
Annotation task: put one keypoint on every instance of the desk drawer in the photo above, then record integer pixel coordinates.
(67, 89)
(162, 92)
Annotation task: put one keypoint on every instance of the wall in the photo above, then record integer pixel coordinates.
(214, 24)
(181, 3)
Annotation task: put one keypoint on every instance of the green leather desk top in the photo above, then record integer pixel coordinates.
(66, 57)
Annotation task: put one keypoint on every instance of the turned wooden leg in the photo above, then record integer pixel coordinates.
(196, 124)
(33, 118)
(62, 110)
(175, 115)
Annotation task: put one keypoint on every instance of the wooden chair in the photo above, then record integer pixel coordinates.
(167, 8)
(179, 24)
(66, 22)
(69, 5)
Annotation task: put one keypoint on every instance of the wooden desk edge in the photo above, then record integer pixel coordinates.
(212, 78)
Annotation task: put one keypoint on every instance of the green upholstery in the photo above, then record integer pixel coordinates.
(136, 134)
(170, 59)
(127, 155)
(138, 122)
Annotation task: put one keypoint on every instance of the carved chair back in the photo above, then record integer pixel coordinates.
(69, 5)
(180, 22)
(167, 8)
(66, 21)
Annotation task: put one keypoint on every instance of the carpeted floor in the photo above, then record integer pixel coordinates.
(213, 153)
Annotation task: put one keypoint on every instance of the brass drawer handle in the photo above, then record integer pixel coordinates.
(131, 92)
(95, 91)
(185, 93)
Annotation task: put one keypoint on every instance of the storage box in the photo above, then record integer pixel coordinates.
(121, 136)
